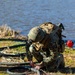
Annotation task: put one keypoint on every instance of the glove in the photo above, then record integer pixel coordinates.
(31, 64)
(37, 67)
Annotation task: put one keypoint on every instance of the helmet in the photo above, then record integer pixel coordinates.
(36, 34)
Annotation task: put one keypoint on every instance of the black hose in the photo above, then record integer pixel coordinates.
(12, 71)
(14, 63)
(17, 71)
(10, 47)
(12, 39)
(13, 55)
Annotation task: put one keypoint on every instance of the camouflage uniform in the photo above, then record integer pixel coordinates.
(47, 45)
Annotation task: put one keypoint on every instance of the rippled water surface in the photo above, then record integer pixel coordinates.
(24, 14)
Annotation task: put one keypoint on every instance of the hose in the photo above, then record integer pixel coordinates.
(10, 47)
(11, 70)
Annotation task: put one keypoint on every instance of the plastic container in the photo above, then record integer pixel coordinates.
(70, 43)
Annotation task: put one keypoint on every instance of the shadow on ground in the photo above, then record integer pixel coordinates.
(68, 70)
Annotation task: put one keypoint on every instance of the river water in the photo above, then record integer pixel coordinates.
(24, 14)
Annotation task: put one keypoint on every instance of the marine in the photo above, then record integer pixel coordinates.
(46, 44)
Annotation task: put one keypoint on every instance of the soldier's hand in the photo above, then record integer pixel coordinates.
(31, 63)
(37, 67)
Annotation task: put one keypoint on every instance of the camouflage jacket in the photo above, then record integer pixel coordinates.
(50, 46)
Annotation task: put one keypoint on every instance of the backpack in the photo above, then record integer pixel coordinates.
(53, 37)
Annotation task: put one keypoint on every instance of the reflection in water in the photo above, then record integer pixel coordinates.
(24, 14)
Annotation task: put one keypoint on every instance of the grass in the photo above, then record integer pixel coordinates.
(7, 32)
(19, 49)
(16, 50)
(9, 43)
(3, 73)
(69, 57)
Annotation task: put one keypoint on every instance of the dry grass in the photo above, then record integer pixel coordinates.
(9, 43)
(69, 57)
(7, 32)
(69, 54)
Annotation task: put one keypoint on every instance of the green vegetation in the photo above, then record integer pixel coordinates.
(7, 32)
(3, 73)
(9, 43)
(69, 57)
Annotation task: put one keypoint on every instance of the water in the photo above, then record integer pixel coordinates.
(24, 14)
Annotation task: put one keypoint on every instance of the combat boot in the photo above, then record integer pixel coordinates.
(60, 62)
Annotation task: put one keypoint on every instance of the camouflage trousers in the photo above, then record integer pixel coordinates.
(55, 64)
